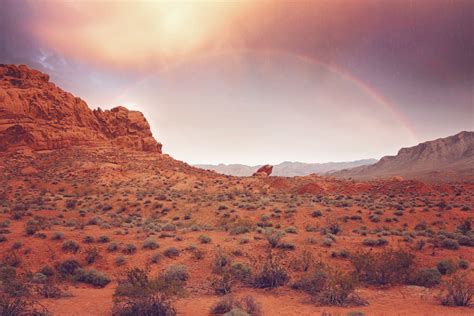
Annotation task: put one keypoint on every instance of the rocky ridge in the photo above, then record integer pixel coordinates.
(36, 114)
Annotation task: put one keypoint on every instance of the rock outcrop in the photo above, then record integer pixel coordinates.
(263, 171)
(35, 113)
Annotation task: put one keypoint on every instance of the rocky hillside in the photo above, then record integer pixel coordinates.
(36, 113)
(287, 168)
(445, 158)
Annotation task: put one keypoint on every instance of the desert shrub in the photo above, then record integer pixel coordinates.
(225, 305)
(92, 276)
(287, 246)
(150, 243)
(446, 266)
(463, 264)
(220, 262)
(426, 277)
(241, 272)
(385, 267)
(198, 254)
(20, 306)
(112, 247)
(139, 294)
(120, 261)
(237, 230)
(338, 289)
(57, 236)
(47, 271)
(70, 246)
(129, 249)
(148, 305)
(329, 287)
(175, 273)
(311, 283)
(271, 275)
(3, 238)
(171, 252)
(169, 227)
(458, 291)
(156, 258)
(327, 242)
(374, 218)
(92, 254)
(449, 244)
(316, 213)
(465, 226)
(274, 238)
(223, 283)
(374, 242)
(88, 239)
(67, 267)
(291, 230)
(49, 289)
(103, 239)
(251, 306)
(230, 305)
(11, 283)
(332, 227)
(203, 239)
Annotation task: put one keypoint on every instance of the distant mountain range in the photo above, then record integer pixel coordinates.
(287, 168)
(450, 158)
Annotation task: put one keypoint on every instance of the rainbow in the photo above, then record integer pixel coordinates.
(359, 83)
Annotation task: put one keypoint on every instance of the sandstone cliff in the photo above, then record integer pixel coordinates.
(36, 113)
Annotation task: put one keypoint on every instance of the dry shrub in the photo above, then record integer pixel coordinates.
(272, 274)
(139, 294)
(385, 267)
(458, 291)
(229, 303)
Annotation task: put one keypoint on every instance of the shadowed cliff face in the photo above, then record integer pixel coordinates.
(36, 113)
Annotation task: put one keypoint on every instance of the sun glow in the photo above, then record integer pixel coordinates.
(134, 33)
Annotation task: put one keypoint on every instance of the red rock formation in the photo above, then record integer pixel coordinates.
(263, 171)
(35, 113)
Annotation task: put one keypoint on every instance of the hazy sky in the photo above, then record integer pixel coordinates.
(260, 81)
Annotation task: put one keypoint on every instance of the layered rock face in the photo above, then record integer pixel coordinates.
(36, 113)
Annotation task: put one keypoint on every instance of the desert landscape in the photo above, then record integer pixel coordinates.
(96, 220)
(237, 217)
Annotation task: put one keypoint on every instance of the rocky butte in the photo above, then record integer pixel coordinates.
(35, 113)
(264, 171)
